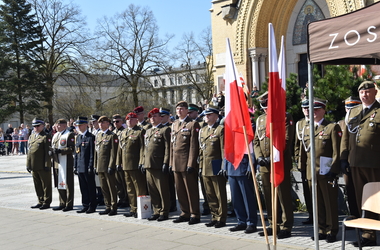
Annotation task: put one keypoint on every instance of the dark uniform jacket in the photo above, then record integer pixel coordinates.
(185, 145)
(361, 146)
(131, 148)
(211, 143)
(157, 147)
(84, 152)
(299, 154)
(38, 154)
(105, 151)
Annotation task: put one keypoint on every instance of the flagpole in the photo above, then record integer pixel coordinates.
(273, 191)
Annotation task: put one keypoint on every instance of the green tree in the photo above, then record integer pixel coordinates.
(20, 40)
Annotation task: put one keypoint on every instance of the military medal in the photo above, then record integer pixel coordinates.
(371, 124)
(78, 150)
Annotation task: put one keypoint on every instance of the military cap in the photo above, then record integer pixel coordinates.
(182, 104)
(37, 121)
(164, 111)
(131, 115)
(263, 99)
(366, 85)
(94, 118)
(116, 117)
(81, 120)
(305, 103)
(351, 102)
(211, 110)
(61, 121)
(138, 109)
(153, 112)
(104, 119)
(319, 103)
(193, 107)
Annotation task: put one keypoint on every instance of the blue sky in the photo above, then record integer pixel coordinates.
(173, 16)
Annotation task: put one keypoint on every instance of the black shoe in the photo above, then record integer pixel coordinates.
(36, 206)
(365, 243)
(58, 208)
(269, 232)
(131, 214)
(181, 219)
(239, 227)
(91, 210)
(206, 212)
(67, 209)
(220, 224)
(250, 229)
(162, 218)
(308, 221)
(154, 217)
(107, 211)
(112, 212)
(45, 206)
(320, 236)
(330, 238)
(283, 234)
(173, 209)
(211, 223)
(194, 220)
(83, 210)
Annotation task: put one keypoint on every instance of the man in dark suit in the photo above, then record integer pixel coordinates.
(130, 156)
(360, 149)
(84, 166)
(38, 162)
(156, 163)
(63, 144)
(183, 160)
(106, 146)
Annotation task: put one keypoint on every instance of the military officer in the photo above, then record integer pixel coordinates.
(84, 166)
(183, 160)
(117, 121)
(360, 149)
(63, 144)
(39, 164)
(99, 195)
(300, 158)
(156, 164)
(211, 141)
(262, 152)
(327, 148)
(141, 118)
(165, 117)
(106, 146)
(350, 103)
(130, 155)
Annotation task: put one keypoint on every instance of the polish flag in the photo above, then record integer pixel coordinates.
(236, 114)
(276, 106)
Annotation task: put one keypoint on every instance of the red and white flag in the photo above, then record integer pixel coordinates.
(276, 106)
(236, 114)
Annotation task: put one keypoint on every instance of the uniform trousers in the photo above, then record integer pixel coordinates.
(188, 193)
(327, 207)
(66, 196)
(360, 177)
(121, 187)
(136, 186)
(243, 199)
(307, 194)
(173, 196)
(88, 190)
(158, 190)
(43, 186)
(351, 196)
(108, 185)
(216, 193)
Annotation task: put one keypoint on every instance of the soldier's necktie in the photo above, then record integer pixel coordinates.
(365, 111)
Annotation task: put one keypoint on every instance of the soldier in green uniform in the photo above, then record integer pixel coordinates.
(211, 141)
(117, 121)
(262, 152)
(106, 146)
(327, 148)
(360, 149)
(141, 118)
(63, 144)
(130, 155)
(156, 164)
(38, 162)
(300, 159)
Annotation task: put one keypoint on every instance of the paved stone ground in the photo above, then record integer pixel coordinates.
(25, 228)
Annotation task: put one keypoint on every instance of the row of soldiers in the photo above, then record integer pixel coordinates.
(150, 154)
